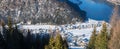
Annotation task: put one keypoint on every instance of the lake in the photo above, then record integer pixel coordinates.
(95, 10)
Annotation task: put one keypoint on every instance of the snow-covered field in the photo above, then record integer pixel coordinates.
(37, 27)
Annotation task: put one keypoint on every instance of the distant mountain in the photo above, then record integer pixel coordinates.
(40, 11)
(116, 2)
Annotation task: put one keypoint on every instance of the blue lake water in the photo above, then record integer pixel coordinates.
(95, 10)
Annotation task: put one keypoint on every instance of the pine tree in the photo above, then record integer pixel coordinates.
(10, 25)
(3, 35)
(2, 41)
(9, 22)
(9, 35)
(47, 47)
(98, 41)
(58, 41)
(17, 38)
(29, 40)
(91, 44)
(2, 23)
(38, 42)
(105, 36)
(65, 44)
(51, 43)
(102, 38)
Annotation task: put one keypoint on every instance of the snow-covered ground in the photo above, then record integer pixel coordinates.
(37, 27)
(77, 35)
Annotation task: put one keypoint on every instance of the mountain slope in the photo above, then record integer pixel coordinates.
(36, 11)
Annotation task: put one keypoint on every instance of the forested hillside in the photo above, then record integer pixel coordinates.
(39, 11)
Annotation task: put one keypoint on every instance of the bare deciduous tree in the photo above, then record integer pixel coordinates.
(114, 42)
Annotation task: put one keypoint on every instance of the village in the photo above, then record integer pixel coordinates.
(77, 34)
